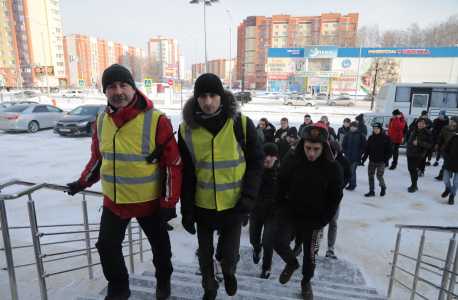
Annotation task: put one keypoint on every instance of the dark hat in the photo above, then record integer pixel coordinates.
(360, 117)
(115, 73)
(318, 132)
(421, 120)
(354, 124)
(424, 112)
(347, 120)
(208, 83)
(377, 125)
(396, 112)
(270, 149)
(292, 132)
(335, 146)
(455, 119)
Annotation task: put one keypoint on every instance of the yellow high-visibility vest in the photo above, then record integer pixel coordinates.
(125, 174)
(220, 165)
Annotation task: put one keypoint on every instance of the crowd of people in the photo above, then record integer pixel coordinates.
(223, 169)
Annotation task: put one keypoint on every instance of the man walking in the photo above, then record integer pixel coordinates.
(284, 145)
(309, 191)
(396, 132)
(438, 125)
(343, 130)
(284, 128)
(446, 133)
(307, 121)
(263, 214)
(223, 167)
(361, 124)
(332, 132)
(378, 149)
(417, 142)
(125, 135)
(353, 146)
(451, 167)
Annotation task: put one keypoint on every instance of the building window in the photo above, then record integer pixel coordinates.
(325, 25)
(260, 27)
(325, 33)
(309, 26)
(316, 32)
(277, 27)
(6, 14)
(275, 40)
(261, 33)
(11, 53)
(55, 21)
(3, 62)
(344, 24)
(267, 26)
(60, 64)
(7, 24)
(10, 43)
(301, 26)
(334, 32)
(59, 47)
(2, 52)
(8, 33)
(334, 25)
(61, 73)
(316, 24)
(285, 26)
(12, 62)
(55, 3)
(267, 33)
(247, 47)
(351, 32)
(54, 12)
(260, 40)
(300, 32)
(5, 72)
(308, 33)
(283, 40)
(56, 30)
(276, 33)
(59, 56)
(285, 33)
(57, 39)
(13, 71)
(352, 24)
(315, 39)
(293, 25)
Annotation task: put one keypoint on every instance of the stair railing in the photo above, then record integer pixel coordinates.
(37, 235)
(448, 272)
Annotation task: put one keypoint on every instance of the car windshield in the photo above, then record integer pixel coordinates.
(5, 105)
(85, 110)
(16, 108)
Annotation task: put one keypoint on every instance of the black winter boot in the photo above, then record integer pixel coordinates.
(428, 163)
(123, 296)
(413, 188)
(256, 257)
(307, 292)
(230, 283)
(351, 187)
(446, 193)
(265, 273)
(438, 178)
(287, 273)
(393, 166)
(210, 295)
(370, 194)
(162, 289)
(451, 199)
(383, 191)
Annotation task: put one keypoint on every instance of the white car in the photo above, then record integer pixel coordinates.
(308, 95)
(342, 101)
(73, 94)
(298, 100)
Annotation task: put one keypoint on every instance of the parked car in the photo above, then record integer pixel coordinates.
(246, 96)
(308, 95)
(79, 121)
(29, 117)
(26, 93)
(298, 100)
(342, 101)
(368, 97)
(280, 96)
(322, 96)
(54, 90)
(73, 94)
(5, 105)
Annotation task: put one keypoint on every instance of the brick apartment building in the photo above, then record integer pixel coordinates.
(87, 57)
(219, 67)
(165, 51)
(256, 34)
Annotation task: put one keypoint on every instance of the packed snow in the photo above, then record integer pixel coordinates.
(366, 233)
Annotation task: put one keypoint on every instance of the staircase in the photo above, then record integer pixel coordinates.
(334, 280)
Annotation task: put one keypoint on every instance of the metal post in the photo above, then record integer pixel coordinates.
(375, 85)
(448, 266)
(87, 237)
(357, 76)
(451, 287)
(230, 58)
(418, 265)
(8, 251)
(131, 248)
(395, 260)
(205, 31)
(81, 60)
(140, 236)
(46, 67)
(37, 248)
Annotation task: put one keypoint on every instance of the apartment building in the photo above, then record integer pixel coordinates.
(87, 57)
(21, 26)
(198, 69)
(181, 67)
(256, 34)
(219, 67)
(164, 51)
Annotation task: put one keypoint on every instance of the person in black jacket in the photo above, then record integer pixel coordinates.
(308, 194)
(284, 128)
(307, 121)
(424, 115)
(438, 125)
(263, 214)
(212, 115)
(285, 141)
(379, 149)
(268, 129)
(343, 130)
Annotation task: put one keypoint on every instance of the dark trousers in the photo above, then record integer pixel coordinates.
(267, 240)
(229, 241)
(311, 243)
(298, 237)
(412, 165)
(439, 153)
(395, 153)
(111, 235)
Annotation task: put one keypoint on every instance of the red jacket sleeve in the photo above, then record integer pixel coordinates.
(171, 165)
(91, 173)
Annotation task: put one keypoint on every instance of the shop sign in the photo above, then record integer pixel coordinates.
(320, 51)
(318, 81)
(284, 66)
(327, 74)
(286, 52)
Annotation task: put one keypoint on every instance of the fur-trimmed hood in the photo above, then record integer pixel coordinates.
(230, 107)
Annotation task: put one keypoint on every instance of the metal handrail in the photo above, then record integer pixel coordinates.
(37, 235)
(429, 228)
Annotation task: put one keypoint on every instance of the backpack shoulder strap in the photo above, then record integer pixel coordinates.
(238, 131)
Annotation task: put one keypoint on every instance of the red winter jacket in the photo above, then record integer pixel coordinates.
(170, 162)
(396, 128)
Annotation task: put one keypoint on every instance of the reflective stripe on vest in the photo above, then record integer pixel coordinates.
(125, 174)
(219, 163)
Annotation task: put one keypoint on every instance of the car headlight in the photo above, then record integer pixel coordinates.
(81, 124)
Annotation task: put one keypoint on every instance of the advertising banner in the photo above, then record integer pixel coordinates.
(327, 74)
(171, 70)
(386, 69)
(318, 81)
(41, 71)
(286, 52)
(320, 51)
(283, 66)
(400, 52)
(319, 64)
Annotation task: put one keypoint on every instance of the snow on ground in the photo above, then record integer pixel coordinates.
(366, 232)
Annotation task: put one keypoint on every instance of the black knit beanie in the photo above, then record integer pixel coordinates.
(292, 132)
(270, 149)
(359, 117)
(208, 83)
(115, 73)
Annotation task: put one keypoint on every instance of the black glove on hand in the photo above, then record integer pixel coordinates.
(165, 215)
(188, 222)
(75, 187)
(243, 205)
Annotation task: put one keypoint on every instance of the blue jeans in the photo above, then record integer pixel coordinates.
(354, 165)
(447, 177)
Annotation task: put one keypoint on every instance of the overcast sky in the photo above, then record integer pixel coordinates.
(134, 22)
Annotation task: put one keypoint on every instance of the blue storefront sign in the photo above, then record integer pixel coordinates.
(320, 51)
(286, 52)
(400, 52)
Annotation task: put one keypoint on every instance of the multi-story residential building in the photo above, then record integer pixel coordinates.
(181, 67)
(22, 25)
(257, 34)
(198, 69)
(164, 51)
(219, 67)
(87, 57)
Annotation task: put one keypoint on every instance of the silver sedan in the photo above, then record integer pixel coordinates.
(29, 117)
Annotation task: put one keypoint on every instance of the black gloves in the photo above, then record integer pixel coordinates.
(165, 215)
(75, 187)
(243, 205)
(188, 222)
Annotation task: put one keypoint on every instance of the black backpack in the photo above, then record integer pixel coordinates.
(239, 134)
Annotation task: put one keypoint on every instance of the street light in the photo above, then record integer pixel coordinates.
(44, 53)
(206, 3)
(230, 52)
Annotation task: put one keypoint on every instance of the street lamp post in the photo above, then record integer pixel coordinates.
(230, 52)
(206, 3)
(44, 53)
